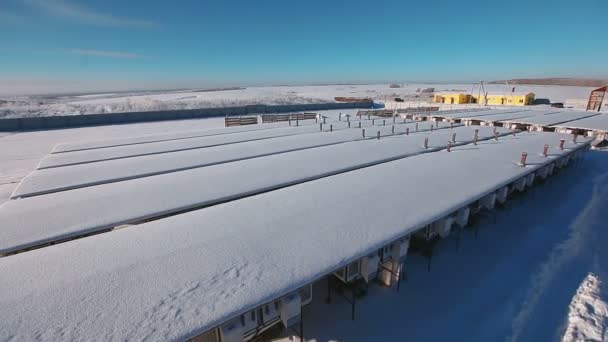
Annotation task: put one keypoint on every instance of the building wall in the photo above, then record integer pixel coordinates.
(455, 98)
(508, 100)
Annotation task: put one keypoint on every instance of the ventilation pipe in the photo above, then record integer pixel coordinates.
(522, 161)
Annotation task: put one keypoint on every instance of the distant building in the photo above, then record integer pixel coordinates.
(513, 99)
(597, 99)
(455, 98)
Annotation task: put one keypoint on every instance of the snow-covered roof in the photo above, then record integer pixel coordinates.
(53, 179)
(142, 139)
(465, 114)
(554, 118)
(597, 122)
(37, 220)
(174, 278)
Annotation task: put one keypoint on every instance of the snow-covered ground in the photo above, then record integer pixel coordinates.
(112, 103)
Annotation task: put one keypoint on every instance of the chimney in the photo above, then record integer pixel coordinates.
(561, 144)
(426, 142)
(545, 150)
(522, 161)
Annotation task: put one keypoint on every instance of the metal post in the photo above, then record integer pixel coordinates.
(378, 135)
(359, 124)
(331, 128)
(340, 117)
(321, 127)
(449, 146)
(328, 299)
(393, 130)
(561, 144)
(400, 276)
(289, 119)
(416, 127)
(297, 122)
(454, 137)
(349, 124)
(373, 122)
(407, 131)
(363, 132)
(383, 122)
(545, 150)
(426, 142)
(431, 127)
(324, 119)
(302, 324)
(353, 306)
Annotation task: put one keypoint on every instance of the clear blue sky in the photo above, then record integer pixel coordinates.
(215, 42)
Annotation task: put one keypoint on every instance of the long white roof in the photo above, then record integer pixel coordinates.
(126, 151)
(174, 278)
(597, 122)
(554, 118)
(150, 148)
(37, 220)
(469, 114)
(142, 139)
(54, 179)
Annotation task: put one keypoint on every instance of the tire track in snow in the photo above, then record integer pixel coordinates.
(581, 230)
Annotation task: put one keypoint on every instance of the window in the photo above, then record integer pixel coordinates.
(521, 100)
(253, 316)
(353, 269)
(267, 309)
(306, 293)
(276, 305)
(243, 320)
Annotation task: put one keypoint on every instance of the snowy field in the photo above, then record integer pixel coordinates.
(23, 106)
(537, 271)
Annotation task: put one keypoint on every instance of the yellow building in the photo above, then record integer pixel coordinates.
(456, 98)
(515, 99)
